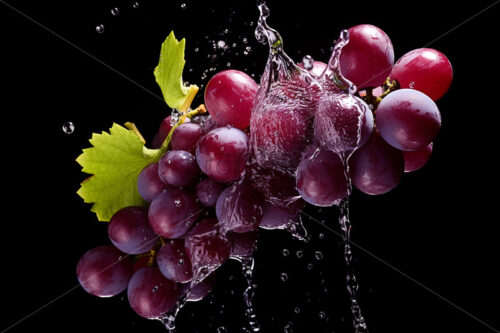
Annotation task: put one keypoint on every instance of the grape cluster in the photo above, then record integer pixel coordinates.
(303, 135)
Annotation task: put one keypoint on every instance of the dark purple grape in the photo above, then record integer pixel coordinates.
(281, 217)
(149, 183)
(104, 271)
(130, 232)
(173, 261)
(207, 248)
(173, 212)
(368, 58)
(208, 191)
(414, 160)
(408, 119)
(150, 294)
(178, 168)
(200, 290)
(222, 154)
(239, 208)
(186, 136)
(426, 70)
(321, 177)
(229, 98)
(243, 245)
(376, 168)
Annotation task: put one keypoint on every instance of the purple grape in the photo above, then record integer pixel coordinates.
(163, 130)
(243, 245)
(368, 58)
(150, 294)
(149, 183)
(208, 191)
(186, 136)
(414, 160)
(281, 217)
(408, 119)
(366, 125)
(376, 168)
(178, 168)
(222, 154)
(104, 271)
(321, 178)
(207, 248)
(173, 212)
(130, 232)
(239, 209)
(200, 290)
(229, 98)
(426, 70)
(173, 261)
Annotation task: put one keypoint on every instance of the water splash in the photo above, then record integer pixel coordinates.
(247, 266)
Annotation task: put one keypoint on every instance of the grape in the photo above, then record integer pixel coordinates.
(321, 178)
(222, 154)
(408, 119)
(376, 168)
(104, 271)
(229, 98)
(173, 261)
(426, 70)
(368, 57)
(173, 212)
(239, 208)
(281, 217)
(130, 232)
(163, 130)
(207, 248)
(208, 191)
(414, 160)
(366, 124)
(201, 289)
(149, 183)
(178, 168)
(243, 245)
(186, 136)
(150, 294)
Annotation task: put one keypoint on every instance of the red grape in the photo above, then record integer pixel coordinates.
(173, 261)
(208, 191)
(229, 98)
(149, 183)
(185, 137)
(414, 160)
(178, 168)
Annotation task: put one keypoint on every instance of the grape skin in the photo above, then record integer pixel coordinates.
(208, 191)
(150, 294)
(174, 262)
(173, 212)
(178, 168)
(414, 160)
(426, 70)
(104, 271)
(376, 168)
(149, 183)
(185, 137)
(229, 98)
(367, 59)
(408, 119)
(130, 232)
(222, 154)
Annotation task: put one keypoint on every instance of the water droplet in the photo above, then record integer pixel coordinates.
(221, 329)
(115, 11)
(300, 253)
(68, 127)
(321, 235)
(308, 62)
(177, 203)
(135, 5)
(221, 44)
(284, 277)
(285, 252)
(99, 28)
(155, 289)
(412, 84)
(196, 49)
(322, 314)
(244, 40)
(310, 266)
(318, 255)
(288, 327)
(183, 6)
(370, 106)
(181, 261)
(296, 310)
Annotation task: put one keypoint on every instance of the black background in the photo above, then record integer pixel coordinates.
(439, 226)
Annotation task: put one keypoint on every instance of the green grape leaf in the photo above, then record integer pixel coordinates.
(168, 73)
(114, 161)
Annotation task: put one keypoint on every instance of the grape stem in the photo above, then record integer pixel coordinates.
(133, 128)
(389, 86)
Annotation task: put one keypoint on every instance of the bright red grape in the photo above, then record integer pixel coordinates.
(426, 70)
(229, 98)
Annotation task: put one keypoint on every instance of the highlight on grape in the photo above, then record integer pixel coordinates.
(250, 158)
